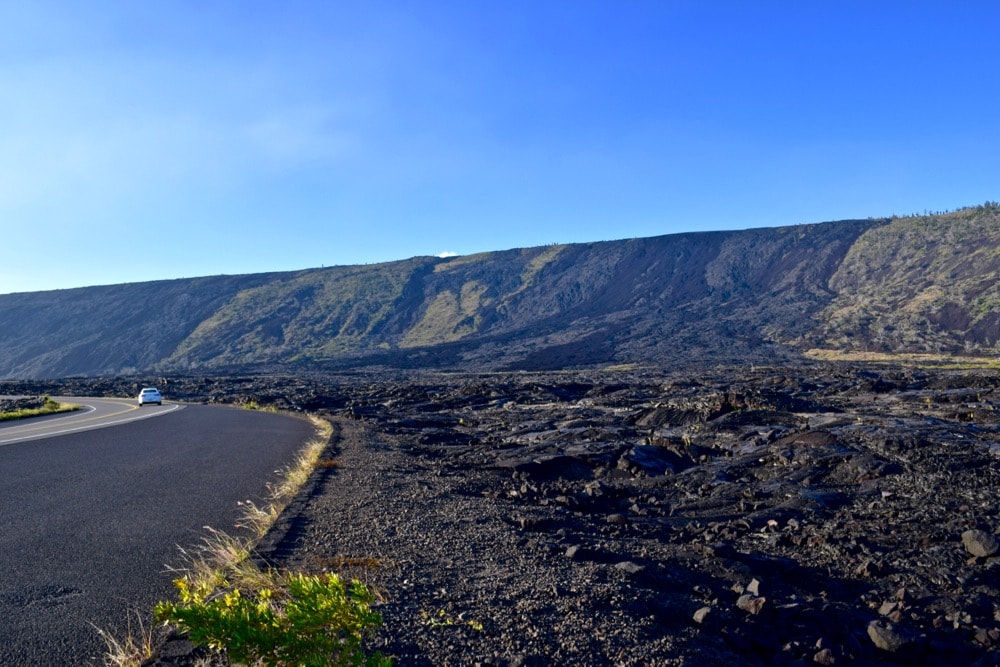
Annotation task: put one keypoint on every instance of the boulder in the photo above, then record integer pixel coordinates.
(979, 543)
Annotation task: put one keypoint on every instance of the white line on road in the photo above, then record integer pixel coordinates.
(100, 424)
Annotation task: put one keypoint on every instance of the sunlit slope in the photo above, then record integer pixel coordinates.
(920, 284)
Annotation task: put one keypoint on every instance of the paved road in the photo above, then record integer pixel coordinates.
(90, 518)
(93, 413)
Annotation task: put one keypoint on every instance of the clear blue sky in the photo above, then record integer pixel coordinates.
(149, 140)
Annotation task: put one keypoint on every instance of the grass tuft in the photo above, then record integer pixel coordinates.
(133, 650)
(295, 475)
(50, 407)
(255, 405)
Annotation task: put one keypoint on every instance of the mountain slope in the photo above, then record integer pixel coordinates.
(617, 301)
(908, 284)
(113, 329)
(923, 284)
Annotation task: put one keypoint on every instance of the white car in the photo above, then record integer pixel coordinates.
(150, 395)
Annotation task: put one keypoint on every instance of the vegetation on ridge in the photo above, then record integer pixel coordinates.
(920, 285)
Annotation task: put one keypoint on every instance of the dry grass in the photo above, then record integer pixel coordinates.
(223, 557)
(293, 477)
(258, 520)
(907, 359)
(220, 560)
(49, 408)
(131, 651)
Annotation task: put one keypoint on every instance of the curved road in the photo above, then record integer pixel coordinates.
(95, 505)
(93, 413)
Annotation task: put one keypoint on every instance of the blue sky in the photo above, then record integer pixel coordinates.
(150, 140)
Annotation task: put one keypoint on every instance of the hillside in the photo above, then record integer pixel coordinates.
(927, 284)
(114, 329)
(907, 284)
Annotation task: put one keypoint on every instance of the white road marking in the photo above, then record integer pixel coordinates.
(100, 423)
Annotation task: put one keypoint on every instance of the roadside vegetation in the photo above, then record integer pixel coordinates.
(254, 405)
(257, 616)
(940, 361)
(47, 407)
(288, 619)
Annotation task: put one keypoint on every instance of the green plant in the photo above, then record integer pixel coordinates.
(302, 620)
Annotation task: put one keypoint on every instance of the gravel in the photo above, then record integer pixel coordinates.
(820, 515)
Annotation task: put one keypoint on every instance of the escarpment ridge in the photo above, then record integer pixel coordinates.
(923, 284)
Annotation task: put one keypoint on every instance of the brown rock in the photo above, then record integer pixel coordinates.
(701, 614)
(868, 568)
(887, 608)
(629, 567)
(885, 636)
(980, 543)
(751, 603)
(824, 657)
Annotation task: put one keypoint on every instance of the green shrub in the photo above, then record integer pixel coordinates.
(303, 620)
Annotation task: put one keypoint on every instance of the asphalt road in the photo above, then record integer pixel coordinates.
(93, 413)
(92, 517)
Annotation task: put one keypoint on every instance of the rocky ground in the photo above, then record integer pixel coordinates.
(13, 404)
(822, 515)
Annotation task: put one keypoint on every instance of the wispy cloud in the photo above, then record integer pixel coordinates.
(297, 135)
